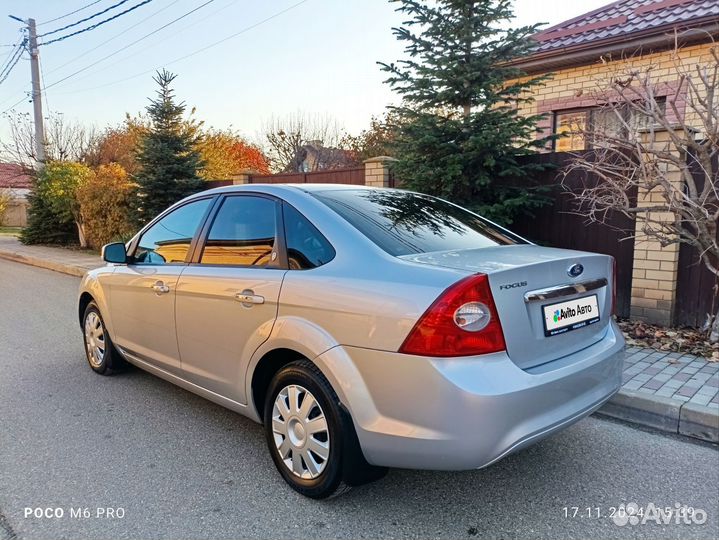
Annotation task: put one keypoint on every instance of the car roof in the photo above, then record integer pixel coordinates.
(278, 189)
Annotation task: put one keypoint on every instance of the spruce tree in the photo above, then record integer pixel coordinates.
(459, 135)
(167, 155)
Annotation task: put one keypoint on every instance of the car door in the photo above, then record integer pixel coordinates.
(142, 292)
(227, 298)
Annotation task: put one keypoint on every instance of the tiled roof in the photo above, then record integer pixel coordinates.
(13, 176)
(624, 18)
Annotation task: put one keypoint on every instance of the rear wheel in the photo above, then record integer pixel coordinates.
(99, 350)
(310, 436)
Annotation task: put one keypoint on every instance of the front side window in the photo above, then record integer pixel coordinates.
(306, 247)
(168, 240)
(405, 223)
(243, 233)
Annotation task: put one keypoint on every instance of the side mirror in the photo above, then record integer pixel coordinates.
(114, 253)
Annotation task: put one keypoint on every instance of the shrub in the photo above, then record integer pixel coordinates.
(54, 215)
(105, 202)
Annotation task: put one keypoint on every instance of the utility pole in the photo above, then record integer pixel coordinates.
(36, 92)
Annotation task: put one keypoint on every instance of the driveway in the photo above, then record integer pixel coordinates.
(176, 465)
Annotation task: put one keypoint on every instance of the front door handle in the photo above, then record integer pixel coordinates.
(160, 288)
(249, 298)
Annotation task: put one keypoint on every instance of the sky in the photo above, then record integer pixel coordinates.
(315, 56)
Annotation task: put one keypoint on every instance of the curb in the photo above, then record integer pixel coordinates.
(664, 414)
(69, 269)
(695, 421)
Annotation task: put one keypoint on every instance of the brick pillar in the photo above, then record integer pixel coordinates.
(654, 275)
(376, 171)
(243, 177)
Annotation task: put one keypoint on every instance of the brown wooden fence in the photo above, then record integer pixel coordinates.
(353, 175)
(561, 224)
(697, 287)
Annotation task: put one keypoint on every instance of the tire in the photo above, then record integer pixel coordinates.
(100, 352)
(330, 457)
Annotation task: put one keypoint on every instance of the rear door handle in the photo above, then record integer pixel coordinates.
(160, 288)
(249, 298)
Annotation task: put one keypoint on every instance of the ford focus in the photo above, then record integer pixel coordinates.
(364, 328)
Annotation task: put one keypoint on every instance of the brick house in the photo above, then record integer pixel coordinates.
(16, 182)
(314, 156)
(583, 52)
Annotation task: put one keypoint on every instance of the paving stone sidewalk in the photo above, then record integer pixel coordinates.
(682, 377)
(667, 391)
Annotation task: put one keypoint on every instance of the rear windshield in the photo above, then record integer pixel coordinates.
(405, 223)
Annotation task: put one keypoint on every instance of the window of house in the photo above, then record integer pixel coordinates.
(243, 232)
(168, 240)
(571, 125)
(611, 122)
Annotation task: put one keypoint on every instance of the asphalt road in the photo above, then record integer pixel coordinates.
(176, 465)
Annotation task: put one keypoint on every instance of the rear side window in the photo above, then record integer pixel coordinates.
(168, 240)
(243, 232)
(405, 223)
(306, 247)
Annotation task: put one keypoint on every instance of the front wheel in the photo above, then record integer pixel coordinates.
(309, 435)
(99, 350)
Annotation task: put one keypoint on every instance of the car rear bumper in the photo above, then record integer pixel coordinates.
(466, 413)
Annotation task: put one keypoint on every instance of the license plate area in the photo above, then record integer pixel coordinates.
(562, 317)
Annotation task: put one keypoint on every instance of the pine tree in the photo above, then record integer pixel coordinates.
(459, 135)
(167, 155)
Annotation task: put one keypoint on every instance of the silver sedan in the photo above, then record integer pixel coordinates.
(364, 328)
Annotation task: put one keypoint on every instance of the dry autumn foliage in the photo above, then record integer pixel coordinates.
(118, 145)
(226, 154)
(104, 201)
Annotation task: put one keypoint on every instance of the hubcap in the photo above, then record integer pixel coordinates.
(94, 339)
(300, 431)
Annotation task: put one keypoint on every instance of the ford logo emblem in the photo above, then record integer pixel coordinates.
(575, 270)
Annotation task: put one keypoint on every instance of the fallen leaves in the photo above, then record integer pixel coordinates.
(683, 340)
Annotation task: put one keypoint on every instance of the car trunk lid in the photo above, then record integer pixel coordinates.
(526, 278)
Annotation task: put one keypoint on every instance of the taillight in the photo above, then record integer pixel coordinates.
(614, 286)
(463, 321)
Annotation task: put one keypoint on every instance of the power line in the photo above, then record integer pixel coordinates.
(85, 19)
(71, 13)
(5, 73)
(16, 44)
(11, 107)
(9, 60)
(129, 45)
(194, 23)
(124, 32)
(198, 51)
(96, 25)
(42, 73)
(244, 30)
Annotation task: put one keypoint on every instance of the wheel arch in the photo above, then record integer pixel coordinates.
(91, 290)
(83, 302)
(292, 338)
(266, 368)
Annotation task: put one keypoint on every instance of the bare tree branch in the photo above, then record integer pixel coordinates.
(286, 140)
(65, 141)
(663, 143)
